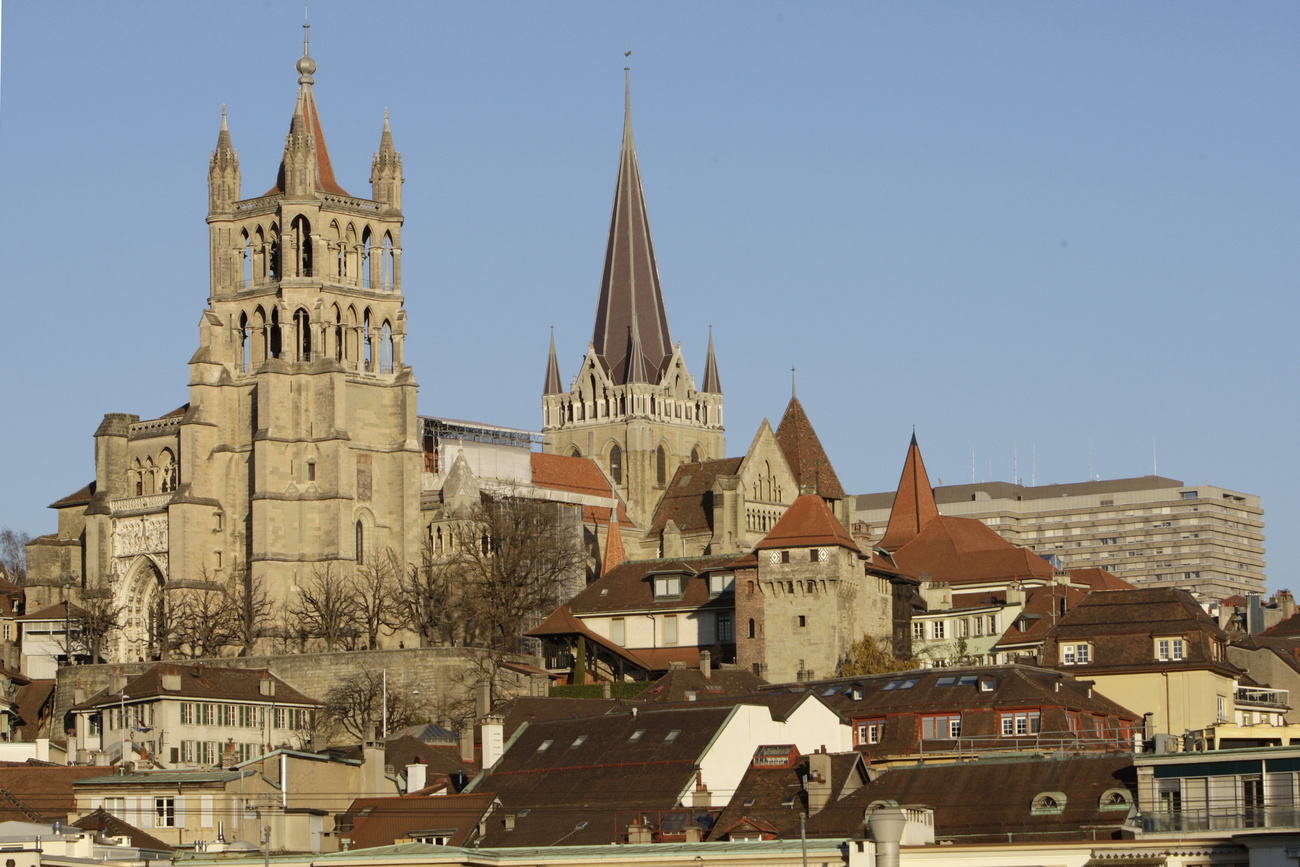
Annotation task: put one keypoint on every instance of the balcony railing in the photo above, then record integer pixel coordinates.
(1258, 695)
(1282, 816)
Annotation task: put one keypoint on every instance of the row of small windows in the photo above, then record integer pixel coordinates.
(610, 406)
(150, 477)
(356, 340)
(350, 257)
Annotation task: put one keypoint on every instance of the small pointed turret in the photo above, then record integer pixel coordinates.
(615, 553)
(634, 368)
(552, 385)
(914, 504)
(630, 294)
(223, 172)
(712, 384)
(386, 171)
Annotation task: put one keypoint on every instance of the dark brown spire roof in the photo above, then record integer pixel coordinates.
(804, 453)
(914, 505)
(631, 311)
(552, 385)
(712, 384)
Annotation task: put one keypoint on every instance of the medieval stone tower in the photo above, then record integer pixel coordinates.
(299, 448)
(633, 407)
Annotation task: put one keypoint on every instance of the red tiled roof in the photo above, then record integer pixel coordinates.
(956, 550)
(44, 791)
(804, 453)
(79, 497)
(914, 505)
(58, 611)
(614, 552)
(1098, 578)
(324, 168)
(33, 698)
(386, 821)
(567, 473)
(1290, 626)
(808, 522)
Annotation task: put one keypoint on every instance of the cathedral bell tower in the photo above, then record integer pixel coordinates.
(304, 442)
(634, 407)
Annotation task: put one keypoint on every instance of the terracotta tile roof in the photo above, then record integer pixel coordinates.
(43, 792)
(58, 611)
(976, 802)
(808, 522)
(324, 168)
(804, 453)
(630, 586)
(385, 821)
(108, 825)
(723, 683)
(1041, 612)
(688, 501)
(562, 622)
(615, 554)
(79, 497)
(1099, 579)
(203, 681)
(1288, 627)
(592, 772)
(567, 473)
(914, 505)
(957, 550)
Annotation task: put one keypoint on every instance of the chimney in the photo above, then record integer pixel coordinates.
(1286, 603)
(706, 664)
(467, 743)
(493, 741)
(373, 783)
(116, 681)
(510, 821)
(416, 776)
(639, 833)
(887, 825)
(266, 686)
(692, 834)
(606, 690)
(171, 679)
(819, 782)
(482, 699)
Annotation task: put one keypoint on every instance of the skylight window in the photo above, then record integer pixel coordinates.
(636, 736)
(945, 681)
(545, 745)
(909, 683)
(968, 680)
(672, 736)
(749, 802)
(788, 802)
(893, 684)
(578, 741)
(830, 690)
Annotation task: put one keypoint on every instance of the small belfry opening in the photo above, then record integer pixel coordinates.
(302, 334)
(616, 464)
(300, 245)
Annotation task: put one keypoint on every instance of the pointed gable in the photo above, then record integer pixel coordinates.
(914, 505)
(630, 314)
(804, 453)
(808, 522)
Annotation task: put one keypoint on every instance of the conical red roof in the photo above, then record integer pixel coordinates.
(914, 504)
(804, 453)
(808, 522)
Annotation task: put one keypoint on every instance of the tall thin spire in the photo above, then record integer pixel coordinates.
(712, 383)
(223, 172)
(552, 385)
(914, 504)
(631, 298)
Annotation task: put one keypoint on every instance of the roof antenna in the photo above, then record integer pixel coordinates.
(793, 393)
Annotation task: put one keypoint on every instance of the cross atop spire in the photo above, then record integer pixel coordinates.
(630, 312)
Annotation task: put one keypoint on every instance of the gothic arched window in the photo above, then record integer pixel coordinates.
(616, 464)
(695, 455)
(361, 544)
(751, 627)
(661, 466)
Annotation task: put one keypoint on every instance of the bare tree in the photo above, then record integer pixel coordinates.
(100, 617)
(356, 704)
(202, 616)
(516, 560)
(13, 555)
(375, 591)
(429, 600)
(326, 607)
(252, 606)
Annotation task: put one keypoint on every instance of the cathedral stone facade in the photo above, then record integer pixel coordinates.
(300, 446)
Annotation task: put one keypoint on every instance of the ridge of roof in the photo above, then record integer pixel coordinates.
(914, 506)
(804, 453)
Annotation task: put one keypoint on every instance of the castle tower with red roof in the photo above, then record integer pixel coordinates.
(633, 406)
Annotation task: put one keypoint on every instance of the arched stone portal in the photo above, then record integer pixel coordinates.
(140, 597)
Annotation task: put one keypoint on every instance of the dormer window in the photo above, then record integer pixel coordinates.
(668, 586)
(1170, 649)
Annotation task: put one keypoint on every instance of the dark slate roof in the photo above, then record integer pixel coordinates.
(992, 800)
(60, 611)
(804, 453)
(385, 821)
(1043, 608)
(688, 500)
(722, 683)
(630, 586)
(108, 825)
(772, 799)
(442, 760)
(33, 698)
(204, 682)
(1289, 627)
(534, 709)
(604, 780)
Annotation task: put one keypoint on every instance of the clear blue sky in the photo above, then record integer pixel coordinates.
(1059, 228)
